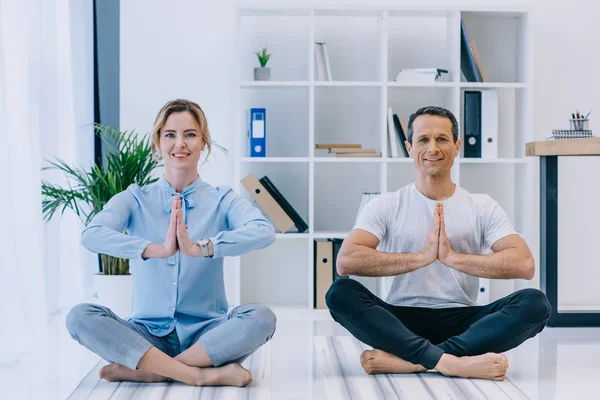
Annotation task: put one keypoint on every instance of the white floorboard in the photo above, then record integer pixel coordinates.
(312, 357)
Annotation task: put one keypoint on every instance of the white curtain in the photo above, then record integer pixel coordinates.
(45, 100)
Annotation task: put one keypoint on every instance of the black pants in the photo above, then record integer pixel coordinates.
(422, 335)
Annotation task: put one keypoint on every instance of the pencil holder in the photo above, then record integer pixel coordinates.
(579, 124)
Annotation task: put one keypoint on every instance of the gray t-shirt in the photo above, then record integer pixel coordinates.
(401, 221)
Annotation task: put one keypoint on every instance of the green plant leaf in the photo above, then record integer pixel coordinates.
(85, 192)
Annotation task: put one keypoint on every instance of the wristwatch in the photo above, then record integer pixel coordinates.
(203, 243)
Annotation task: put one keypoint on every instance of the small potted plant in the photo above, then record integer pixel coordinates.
(262, 73)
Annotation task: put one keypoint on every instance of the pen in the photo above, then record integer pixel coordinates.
(573, 116)
(588, 114)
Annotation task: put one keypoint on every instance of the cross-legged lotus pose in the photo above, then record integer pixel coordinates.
(431, 236)
(178, 231)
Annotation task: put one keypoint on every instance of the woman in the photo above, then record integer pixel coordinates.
(179, 229)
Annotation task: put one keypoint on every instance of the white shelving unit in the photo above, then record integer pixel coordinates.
(367, 46)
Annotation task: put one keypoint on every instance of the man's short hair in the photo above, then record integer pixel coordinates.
(433, 110)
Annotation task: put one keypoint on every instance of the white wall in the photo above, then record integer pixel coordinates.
(186, 49)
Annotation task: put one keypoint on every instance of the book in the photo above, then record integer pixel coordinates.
(401, 135)
(478, 61)
(468, 65)
(287, 207)
(338, 145)
(319, 63)
(392, 137)
(322, 62)
(327, 65)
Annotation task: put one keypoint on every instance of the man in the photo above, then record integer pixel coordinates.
(430, 236)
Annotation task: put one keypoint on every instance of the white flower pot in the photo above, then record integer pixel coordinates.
(114, 292)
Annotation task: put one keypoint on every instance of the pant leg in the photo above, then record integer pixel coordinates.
(376, 323)
(502, 325)
(115, 339)
(238, 334)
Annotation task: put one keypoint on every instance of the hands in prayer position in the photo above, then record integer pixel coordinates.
(177, 237)
(437, 245)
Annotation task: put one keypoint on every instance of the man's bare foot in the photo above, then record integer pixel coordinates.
(228, 375)
(486, 366)
(117, 372)
(379, 362)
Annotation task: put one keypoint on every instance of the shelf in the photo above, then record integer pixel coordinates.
(286, 236)
(583, 308)
(400, 160)
(273, 159)
(253, 84)
(422, 84)
(348, 159)
(302, 111)
(492, 160)
(327, 235)
(349, 83)
(493, 85)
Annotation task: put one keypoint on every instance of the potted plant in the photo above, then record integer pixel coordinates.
(262, 73)
(129, 161)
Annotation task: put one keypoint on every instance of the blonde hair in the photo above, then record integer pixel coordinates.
(174, 106)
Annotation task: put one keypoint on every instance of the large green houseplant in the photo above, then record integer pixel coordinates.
(128, 161)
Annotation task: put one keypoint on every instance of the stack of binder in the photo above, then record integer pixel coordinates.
(274, 204)
(325, 273)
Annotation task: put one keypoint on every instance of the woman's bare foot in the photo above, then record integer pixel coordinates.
(117, 372)
(486, 366)
(380, 362)
(228, 375)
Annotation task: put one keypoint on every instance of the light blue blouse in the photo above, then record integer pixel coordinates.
(179, 292)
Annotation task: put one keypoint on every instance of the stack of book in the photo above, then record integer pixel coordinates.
(274, 204)
(559, 134)
(421, 75)
(349, 150)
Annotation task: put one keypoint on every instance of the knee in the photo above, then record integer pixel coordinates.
(266, 320)
(79, 317)
(340, 293)
(536, 304)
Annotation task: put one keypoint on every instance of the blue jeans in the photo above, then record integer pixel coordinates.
(228, 339)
